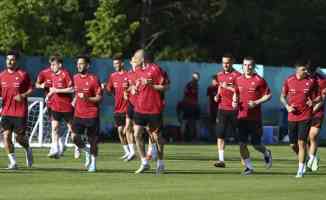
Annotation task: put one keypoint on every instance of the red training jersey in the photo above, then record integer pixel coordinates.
(61, 102)
(90, 86)
(12, 84)
(45, 76)
(250, 89)
(117, 83)
(225, 95)
(149, 100)
(321, 80)
(298, 92)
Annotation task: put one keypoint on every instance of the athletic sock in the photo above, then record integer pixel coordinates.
(311, 157)
(248, 163)
(125, 148)
(12, 158)
(131, 148)
(266, 154)
(301, 167)
(144, 161)
(221, 155)
(93, 159)
(160, 163)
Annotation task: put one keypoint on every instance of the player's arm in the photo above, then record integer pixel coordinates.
(97, 94)
(67, 90)
(29, 89)
(283, 98)
(40, 83)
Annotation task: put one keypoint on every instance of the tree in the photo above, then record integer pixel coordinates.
(110, 32)
(40, 27)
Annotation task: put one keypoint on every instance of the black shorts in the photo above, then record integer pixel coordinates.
(88, 125)
(317, 122)
(191, 112)
(298, 131)
(130, 111)
(227, 123)
(58, 116)
(151, 120)
(250, 128)
(120, 119)
(49, 111)
(16, 124)
(213, 115)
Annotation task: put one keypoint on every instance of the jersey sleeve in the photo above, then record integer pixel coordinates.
(264, 89)
(109, 84)
(68, 80)
(285, 88)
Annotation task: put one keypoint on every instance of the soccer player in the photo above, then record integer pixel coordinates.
(44, 81)
(152, 149)
(148, 109)
(317, 119)
(188, 110)
(227, 115)
(16, 86)
(117, 84)
(251, 91)
(298, 95)
(60, 97)
(88, 95)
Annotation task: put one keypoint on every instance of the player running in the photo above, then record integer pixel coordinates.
(251, 91)
(60, 98)
(117, 84)
(299, 94)
(227, 115)
(15, 87)
(88, 95)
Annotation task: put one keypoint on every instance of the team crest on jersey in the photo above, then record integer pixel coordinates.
(252, 83)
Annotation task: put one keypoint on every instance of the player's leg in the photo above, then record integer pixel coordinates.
(155, 124)
(244, 152)
(256, 134)
(303, 131)
(55, 125)
(22, 139)
(313, 162)
(67, 116)
(221, 129)
(92, 133)
(293, 136)
(78, 129)
(7, 125)
(139, 128)
(129, 131)
(120, 122)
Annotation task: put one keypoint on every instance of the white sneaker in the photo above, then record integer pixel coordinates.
(160, 169)
(142, 168)
(299, 175)
(29, 157)
(87, 157)
(268, 160)
(130, 157)
(92, 167)
(309, 163)
(76, 153)
(124, 156)
(315, 164)
(12, 166)
(54, 155)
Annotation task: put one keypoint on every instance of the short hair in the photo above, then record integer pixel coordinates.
(85, 57)
(117, 56)
(214, 77)
(56, 57)
(301, 63)
(250, 58)
(228, 55)
(196, 73)
(13, 53)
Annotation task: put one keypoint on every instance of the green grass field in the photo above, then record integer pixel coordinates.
(190, 175)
